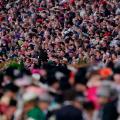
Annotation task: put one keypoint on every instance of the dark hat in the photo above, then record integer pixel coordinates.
(70, 94)
(13, 72)
(81, 75)
(11, 87)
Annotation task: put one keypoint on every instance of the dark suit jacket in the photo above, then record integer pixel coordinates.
(69, 113)
(109, 111)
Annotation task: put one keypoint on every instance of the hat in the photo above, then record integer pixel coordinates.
(36, 76)
(103, 92)
(14, 71)
(29, 96)
(45, 98)
(105, 72)
(107, 90)
(59, 75)
(11, 87)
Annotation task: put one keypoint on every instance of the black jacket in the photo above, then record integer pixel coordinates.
(109, 111)
(69, 113)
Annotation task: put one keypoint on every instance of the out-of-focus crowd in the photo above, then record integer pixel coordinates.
(69, 59)
(60, 92)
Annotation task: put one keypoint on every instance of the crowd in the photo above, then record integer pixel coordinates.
(68, 59)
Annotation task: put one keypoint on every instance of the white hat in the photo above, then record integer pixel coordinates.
(28, 96)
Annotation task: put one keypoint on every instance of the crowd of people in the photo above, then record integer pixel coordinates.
(68, 59)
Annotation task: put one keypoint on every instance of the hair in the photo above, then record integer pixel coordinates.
(69, 94)
(88, 105)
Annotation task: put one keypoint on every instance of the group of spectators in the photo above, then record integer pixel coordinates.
(68, 54)
(80, 31)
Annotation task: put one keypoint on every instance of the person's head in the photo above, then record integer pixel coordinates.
(11, 89)
(71, 54)
(92, 59)
(117, 48)
(43, 105)
(30, 101)
(44, 101)
(29, 105)
(29, 49)
(89, 106)
(98, 53)
(62, 53)
(79, 100)
(114, 56)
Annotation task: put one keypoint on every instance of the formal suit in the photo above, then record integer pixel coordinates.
(68, 112)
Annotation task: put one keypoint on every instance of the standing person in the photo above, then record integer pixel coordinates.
(69, 111)
(108, 103)
(31, 108)
(89, 111)
(44, 103)
(116, 78)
